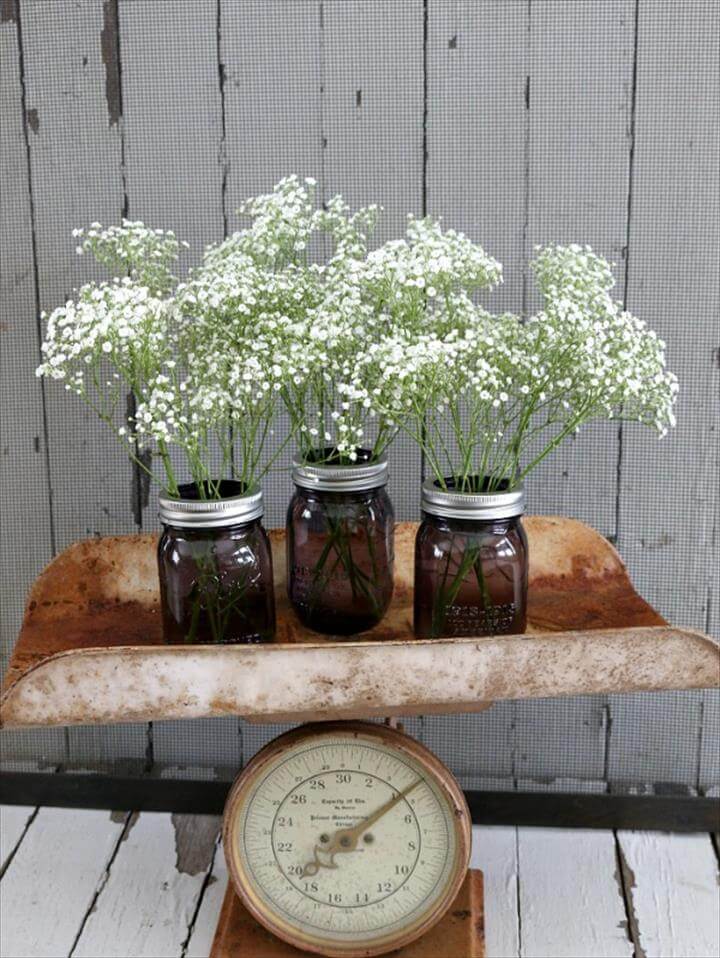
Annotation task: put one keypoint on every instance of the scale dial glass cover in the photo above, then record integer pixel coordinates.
(347, 839)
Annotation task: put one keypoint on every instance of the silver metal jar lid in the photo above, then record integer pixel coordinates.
(358, 477)
(210, 513)
(471, 505)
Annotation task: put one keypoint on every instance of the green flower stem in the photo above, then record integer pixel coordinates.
(219, 603)
(338, 542)
(447, 593)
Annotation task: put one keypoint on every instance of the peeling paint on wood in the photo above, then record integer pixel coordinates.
(14, 820)
(625, 878)
(673, 884)
(195, 840)
(145, 907)
(60, 842)
(477, 58)
(566, 882)
(22, 396)
(494, 852)
(87, 471)
(109, 41)
(8, 11)
(673, 877)
(203, 929)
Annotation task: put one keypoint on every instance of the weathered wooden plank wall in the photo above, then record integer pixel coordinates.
(518, 121)
(28, 541)
(668, 495)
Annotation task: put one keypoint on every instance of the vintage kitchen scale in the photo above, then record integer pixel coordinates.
(343, 838)
(347, 839)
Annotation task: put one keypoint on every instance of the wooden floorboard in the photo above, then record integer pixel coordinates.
(52, 880)
(675, 894)
(570, 900)
(14, 820)
(494, 852)
(204, 928)
(147, 905)
(88, 883)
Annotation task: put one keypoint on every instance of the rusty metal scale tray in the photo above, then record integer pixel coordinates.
(91, 652)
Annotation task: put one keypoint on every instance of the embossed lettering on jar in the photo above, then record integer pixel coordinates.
(340, 542)
(471, 563)
(215, 567)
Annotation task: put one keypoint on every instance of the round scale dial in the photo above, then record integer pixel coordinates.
(347, 839)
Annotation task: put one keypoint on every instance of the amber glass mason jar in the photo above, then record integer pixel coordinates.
(471, 563)
(340, 544)
(214, 561)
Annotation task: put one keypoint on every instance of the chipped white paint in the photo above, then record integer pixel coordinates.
(206, 921)
(75, 161)
(75, 157)
(50, 883)
(673, 887)
(353, 678)
(492, 144)
(547, 891)
(570, 898)
(13, 822)
(494, 852)
(23, 439)
(571, 785)
(145, 908)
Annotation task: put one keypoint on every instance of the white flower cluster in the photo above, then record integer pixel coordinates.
(412, 277)
(119, 326)
(295, 312)
(145, 255)
(492, 395)
(259, 293)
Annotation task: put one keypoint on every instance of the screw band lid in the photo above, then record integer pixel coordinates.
(189, 511)
(453, 504)
(331, 477)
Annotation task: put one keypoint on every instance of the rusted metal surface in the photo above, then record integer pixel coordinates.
(302, 682)
(91, 650)
(461, 932)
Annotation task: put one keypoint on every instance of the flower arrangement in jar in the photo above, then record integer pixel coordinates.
(340, 524)
(487, 398)
(293, 330)
(203, 411)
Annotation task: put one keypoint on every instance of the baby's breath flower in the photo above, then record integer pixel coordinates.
(145, 254)
(491, 396)
(354, 347)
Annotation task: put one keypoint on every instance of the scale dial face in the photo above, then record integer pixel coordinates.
(347, 839)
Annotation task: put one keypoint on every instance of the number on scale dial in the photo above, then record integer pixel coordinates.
(347, 839)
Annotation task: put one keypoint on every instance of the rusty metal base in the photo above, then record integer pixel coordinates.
(91, 649)
(460, 934)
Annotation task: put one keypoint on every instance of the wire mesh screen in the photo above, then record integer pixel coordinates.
(519, 122)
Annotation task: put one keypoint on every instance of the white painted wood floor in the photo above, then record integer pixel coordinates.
(92, 884)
